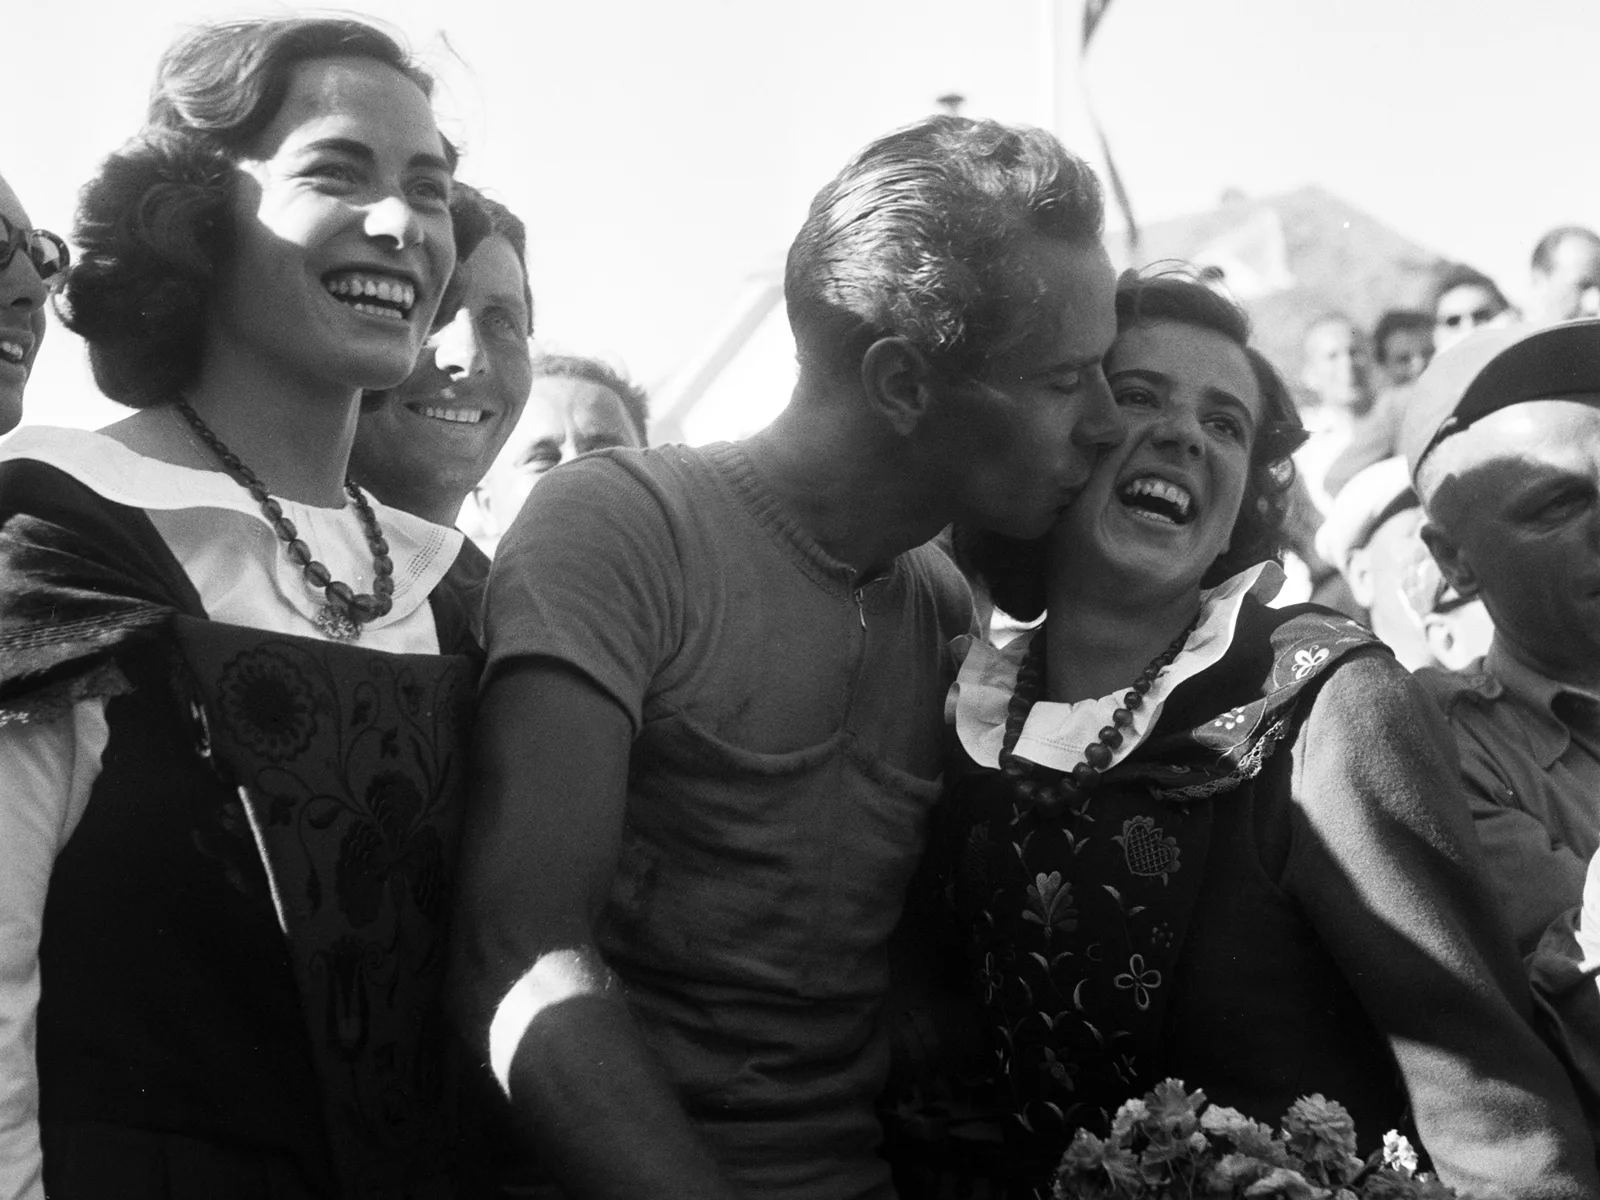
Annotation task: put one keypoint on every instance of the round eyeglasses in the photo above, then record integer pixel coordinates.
(48, 253)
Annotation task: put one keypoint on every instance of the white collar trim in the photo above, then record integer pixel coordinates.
(422, 552)
(1056, 734)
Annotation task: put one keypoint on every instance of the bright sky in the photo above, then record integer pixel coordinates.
(663, 150)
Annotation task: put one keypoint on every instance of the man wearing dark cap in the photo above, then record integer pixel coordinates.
(1503, 443)
(1372, 535)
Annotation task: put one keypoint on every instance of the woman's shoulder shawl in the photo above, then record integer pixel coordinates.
(79, 575)
(1220, 727)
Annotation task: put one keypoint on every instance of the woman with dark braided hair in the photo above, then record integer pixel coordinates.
(233, 686)
(1203, 838)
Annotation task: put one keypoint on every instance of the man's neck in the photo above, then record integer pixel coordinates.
(1575, 674)
(849, 487)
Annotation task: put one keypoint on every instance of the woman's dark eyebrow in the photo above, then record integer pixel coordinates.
(1140, 373)
(1218, 396)
(351, 148)
(1212, 395)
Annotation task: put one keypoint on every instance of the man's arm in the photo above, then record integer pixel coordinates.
(1535, 877)
(543, 831)
(1388, 872)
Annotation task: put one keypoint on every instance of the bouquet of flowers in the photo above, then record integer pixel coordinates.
(1172, 1145)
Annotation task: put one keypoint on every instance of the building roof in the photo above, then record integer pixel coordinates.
(1291, 258)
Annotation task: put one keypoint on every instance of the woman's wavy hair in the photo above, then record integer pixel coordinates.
(1014, 570)
(154, 225)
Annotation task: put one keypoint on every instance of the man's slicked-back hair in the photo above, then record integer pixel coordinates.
(920, 237)
(1544, 250)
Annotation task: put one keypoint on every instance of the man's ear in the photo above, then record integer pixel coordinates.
(898, 383)
(1358, 574)
(1452, 562)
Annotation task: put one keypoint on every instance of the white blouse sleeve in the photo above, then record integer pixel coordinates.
(46, 772)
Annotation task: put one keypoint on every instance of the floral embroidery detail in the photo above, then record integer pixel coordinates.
(348, 965)
(391, 850)
(267, 703)
(1141, 980)
(1161, 935)
(991, 978)
(1230, 720)
(1050, 903)
(1057, 1070)
(1147, 850)
(1308, 660)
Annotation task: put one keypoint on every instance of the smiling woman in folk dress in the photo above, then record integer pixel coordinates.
(232, 686)
(1204, 838)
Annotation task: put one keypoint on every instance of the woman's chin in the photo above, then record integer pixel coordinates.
(1136, 562)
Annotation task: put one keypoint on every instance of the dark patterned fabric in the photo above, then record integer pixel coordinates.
(351, 765)
(254, 785)
(1074, 927)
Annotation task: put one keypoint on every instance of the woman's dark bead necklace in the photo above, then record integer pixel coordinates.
(1050, 791)
(346, 611)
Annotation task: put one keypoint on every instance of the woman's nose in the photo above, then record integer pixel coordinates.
(394, 219)
(1180, 429)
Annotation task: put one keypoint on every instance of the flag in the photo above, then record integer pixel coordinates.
(1094, 11)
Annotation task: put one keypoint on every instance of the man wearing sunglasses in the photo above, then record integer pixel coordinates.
(25, 281)
(1465, 299)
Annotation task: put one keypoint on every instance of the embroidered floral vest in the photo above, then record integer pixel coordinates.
(1074, 926)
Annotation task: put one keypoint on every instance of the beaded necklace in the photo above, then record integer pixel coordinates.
(1050, 791)
(346, 611)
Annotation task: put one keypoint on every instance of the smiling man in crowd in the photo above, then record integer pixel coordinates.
(1503, 441)
(424, 446)
(710, 735)
(576, 405)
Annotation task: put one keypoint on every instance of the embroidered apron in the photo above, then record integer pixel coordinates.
(350, 763)
(1075, 926)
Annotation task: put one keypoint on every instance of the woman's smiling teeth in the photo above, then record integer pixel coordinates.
(375, 295)
(456, 416)
(12, 352)
(1157, 500)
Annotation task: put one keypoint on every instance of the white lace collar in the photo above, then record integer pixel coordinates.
(422, 551)
(1056, 734)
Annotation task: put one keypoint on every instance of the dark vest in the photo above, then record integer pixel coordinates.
(243, 942)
